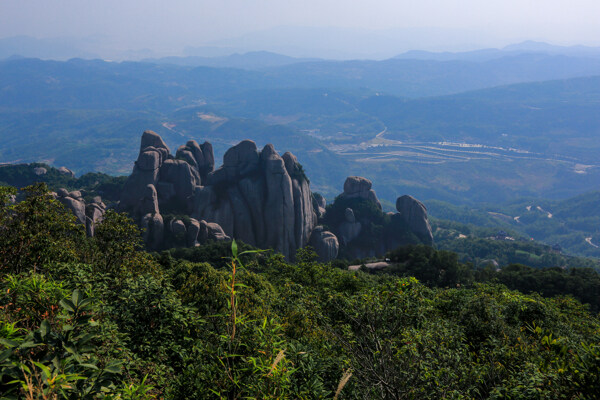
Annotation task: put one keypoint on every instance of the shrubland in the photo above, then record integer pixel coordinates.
(101, 318)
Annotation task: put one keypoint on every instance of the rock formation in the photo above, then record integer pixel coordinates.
(325, 244)
(40, 171)
(365, 231)
(259, 197)
(66, 171)
(359, 187)
(414, 213)
(88, 215)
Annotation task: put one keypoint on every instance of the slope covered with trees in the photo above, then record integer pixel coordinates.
(100, 318)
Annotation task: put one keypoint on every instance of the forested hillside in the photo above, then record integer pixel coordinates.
(91, 317)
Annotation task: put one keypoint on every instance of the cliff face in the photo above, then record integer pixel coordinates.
(259, 197)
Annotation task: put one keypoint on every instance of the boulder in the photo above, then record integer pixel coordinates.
(148, 204)
(94, 213)
(77, 207)
(239, 161)
(192, 233)
(319, 204)
(359, 187)
(153, 230)
(149, 160)
(210, 231)
(279, 204)
(62, 192)
(66, 171)
(152, 139)
(325, 244)
(178, 228)
(414, 214)
(350, 228)
(40, 171)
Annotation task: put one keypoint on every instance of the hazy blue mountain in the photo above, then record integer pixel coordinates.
(419, 78)
(251, 60)
(26, 46)
(527, 47)
(535, 139)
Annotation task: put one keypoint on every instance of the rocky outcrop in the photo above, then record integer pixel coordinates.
(414, 213)
(259, 197)
(66, 171)
(153, 153)
(254, 198)
(87, 215)
(325, 244)
(350, 228)
(359, 187)
(319, 204)
(40, 171)
(365, 231)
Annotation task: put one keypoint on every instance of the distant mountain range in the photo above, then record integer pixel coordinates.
(526, 47)
(385, 120)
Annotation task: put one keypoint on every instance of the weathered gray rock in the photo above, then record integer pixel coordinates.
(148, 204)
(40, 171)
(184, 179)
(76, 194)
(350, 228)
(193, 229)
(178, 228)
(319, 204)
(359, 187)
(279, 203)
(62, 192)
(152, 139)
(94, 213)
(66, 171)
(243, 228)
(253, 192)
(149, 160)
(414, 214)
(76, 206)
(153, 230)
(209, 231)
(258, 197)
(325, 244)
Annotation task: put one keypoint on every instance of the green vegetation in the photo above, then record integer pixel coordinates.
(98, 318)
(90, 184)
(573, 224)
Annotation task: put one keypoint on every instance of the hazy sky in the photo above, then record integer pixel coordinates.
(174, 24)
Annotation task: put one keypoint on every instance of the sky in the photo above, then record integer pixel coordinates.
(167, 27)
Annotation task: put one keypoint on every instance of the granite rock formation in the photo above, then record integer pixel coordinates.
(359, 187)
(414, 213)
(325, 244)
(363, 230)
(87, 215)
(259, 197)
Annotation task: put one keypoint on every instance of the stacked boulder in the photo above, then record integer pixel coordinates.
(408, 225)
(359, 187)
(256, 196)
(87, 215)
(259, 197)
(414, 214)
